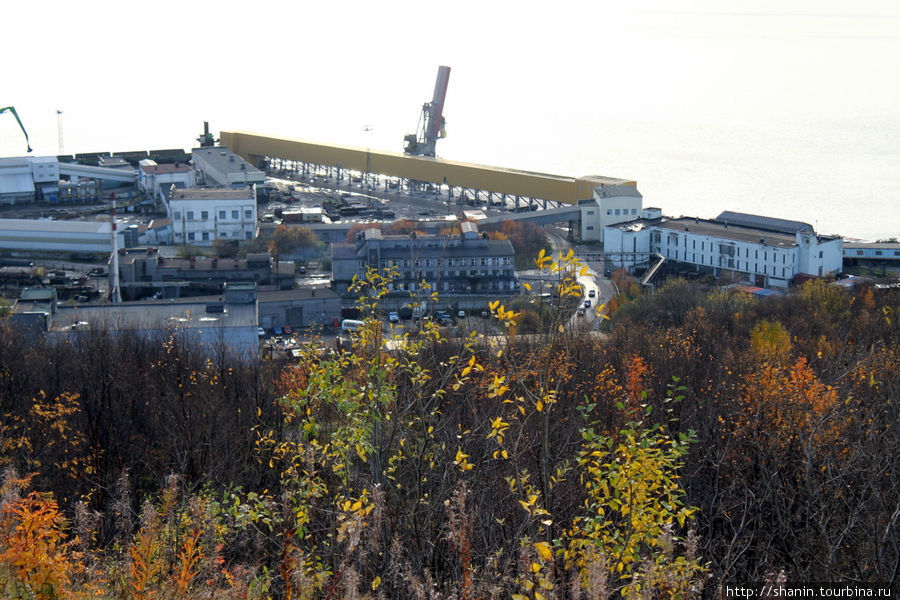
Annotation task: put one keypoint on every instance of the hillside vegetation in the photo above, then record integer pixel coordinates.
(711, 438)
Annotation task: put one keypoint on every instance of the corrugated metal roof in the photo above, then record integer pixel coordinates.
(761, 222)
(99, 227)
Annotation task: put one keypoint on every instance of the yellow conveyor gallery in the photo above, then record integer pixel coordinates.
(254, 147)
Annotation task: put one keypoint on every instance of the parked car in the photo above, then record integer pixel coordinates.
(260, 331)
(592, 293)
(461, 314)
(587, 303)
(394, 316)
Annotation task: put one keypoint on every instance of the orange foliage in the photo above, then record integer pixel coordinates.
(785, 403)
(634, 387)
(34, 545)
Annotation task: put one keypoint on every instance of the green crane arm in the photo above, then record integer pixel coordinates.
(12, 109)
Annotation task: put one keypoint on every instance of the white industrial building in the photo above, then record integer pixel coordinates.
(769, 252)
(58, 236)
(225, 322)
(155, 179)
(220, 166)
(22, 179)
(46, 179)
(610, 204)
(200, 216)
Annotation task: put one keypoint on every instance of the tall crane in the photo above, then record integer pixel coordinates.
(431, 122)
(12, 109)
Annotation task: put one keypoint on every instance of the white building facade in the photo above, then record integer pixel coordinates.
(611, 204)
(153, 179)
(768, 258)
(200, 216)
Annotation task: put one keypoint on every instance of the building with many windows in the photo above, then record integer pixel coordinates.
(462, 263)
(610, 204)
(200, 216)
(769, 252)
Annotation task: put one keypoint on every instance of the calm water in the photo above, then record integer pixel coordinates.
(787, 108)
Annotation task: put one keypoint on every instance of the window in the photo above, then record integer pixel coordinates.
(191, 236)
(820, 254)
(608, 211)
(190, 215)
(590, 227)
(235, 214)
(590, 212)
(248, 214)
(206, 236)
(204, 215)
(249, 235)
(224, 234)
(221, 214)
(877, 253)
(177, 215)
(617, 211)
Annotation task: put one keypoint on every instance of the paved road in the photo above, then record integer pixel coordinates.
(603, 288)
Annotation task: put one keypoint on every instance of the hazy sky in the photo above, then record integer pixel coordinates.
(118, 70)
(722, 93)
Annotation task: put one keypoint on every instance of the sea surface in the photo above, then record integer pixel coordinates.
(788, 109)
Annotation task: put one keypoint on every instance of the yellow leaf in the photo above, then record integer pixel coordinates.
(539, 406)
(375, 583)
(543, 549)
(535, 567)
(527, 286)
(356, 505)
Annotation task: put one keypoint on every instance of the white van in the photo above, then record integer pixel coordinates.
(349, 325)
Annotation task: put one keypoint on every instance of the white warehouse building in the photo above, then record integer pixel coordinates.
(200, 216)
(58, 236)
(770, 252)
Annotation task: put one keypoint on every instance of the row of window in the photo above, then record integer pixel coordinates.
(206, 236)
(617, 212)
(877, 252)
(453, 286)
(458, 273)
(484, 261)
(726, 249)
(204, 214)
(730, 263)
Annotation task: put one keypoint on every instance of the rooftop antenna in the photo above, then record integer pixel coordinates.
(59, 129)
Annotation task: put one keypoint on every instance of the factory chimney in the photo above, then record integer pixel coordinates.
(115, 294)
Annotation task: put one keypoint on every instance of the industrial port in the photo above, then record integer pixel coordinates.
(59, 228)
